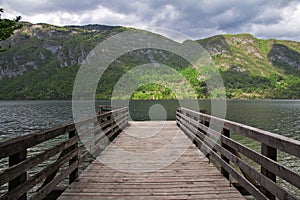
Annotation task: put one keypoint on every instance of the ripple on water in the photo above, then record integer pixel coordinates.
(281, 117)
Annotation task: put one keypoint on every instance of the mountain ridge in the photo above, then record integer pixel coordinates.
(43, 61)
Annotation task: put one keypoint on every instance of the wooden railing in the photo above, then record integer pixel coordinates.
(233, 157)
(36, 166)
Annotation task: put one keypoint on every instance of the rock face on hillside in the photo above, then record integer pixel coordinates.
(43, 61)
(244, 49)
(35, 46)
(282, 56)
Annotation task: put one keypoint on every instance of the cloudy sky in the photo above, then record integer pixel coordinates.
(196, 18)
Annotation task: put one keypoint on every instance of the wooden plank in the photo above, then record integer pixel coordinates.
(204, 128)
(74, 174)
(271, 153)
(244, 182)
(273, 166)
(16, 149)
(20, 143)
(103, 135)
(22, 177)
(110, 135)
(29, 163)
(189, 176)
(280, 142)
(226, 133)
(40, 176)
(51, 185)
(264, 181)
(99, 132)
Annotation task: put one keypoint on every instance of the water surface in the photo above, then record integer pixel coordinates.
(278, 116)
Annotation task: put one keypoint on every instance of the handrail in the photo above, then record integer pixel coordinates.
(226, 151)
(61, 155)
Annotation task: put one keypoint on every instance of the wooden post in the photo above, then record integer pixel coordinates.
(177, 120)
(271, 153)
(13, 160)
(74, 175)
(206, 123)
(226, 133)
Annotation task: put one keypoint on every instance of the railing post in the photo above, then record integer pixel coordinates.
(109, 117)
(127, 116)
(13, 160)
(226, 133)
(205, 123)
(74, 175)
(271, 153)
(177, 120)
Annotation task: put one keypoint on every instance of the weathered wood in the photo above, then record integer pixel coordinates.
(37, 178)
(213, 146)
(271, 153)
(84, 157)
(93, 144)
(216, 135)
(243, 181)
(20, 179)
(190, 175)
(49, 187)
(275, 167)
(226, 133)
(22, 167)
(282, 143)
(264, 181)
(203, 128)
(97, 149)
(51, 176)
(74, 175)
(18, 144)
(16, 149)
(187, 177)
(98, 138)
(98, 132)
(228, 149)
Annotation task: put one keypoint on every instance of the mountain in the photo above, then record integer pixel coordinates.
(43, 61)
(256, 68)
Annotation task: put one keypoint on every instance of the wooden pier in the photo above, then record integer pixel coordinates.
(188, 177)
(147, 160)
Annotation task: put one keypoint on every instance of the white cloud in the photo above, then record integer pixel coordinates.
(286, 28)
(195, 18)
(167, 14)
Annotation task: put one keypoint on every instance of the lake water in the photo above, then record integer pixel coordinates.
(278, 116)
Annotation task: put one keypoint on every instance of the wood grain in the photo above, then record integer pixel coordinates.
(190, 176)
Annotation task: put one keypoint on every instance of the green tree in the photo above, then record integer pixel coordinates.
(7, 27)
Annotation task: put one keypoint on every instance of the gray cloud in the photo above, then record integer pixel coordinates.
(195, 18)
(31, 7)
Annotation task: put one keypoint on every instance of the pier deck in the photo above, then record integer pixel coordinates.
(138, 165)
(149, 160)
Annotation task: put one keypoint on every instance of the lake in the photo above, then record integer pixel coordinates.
(278, 116)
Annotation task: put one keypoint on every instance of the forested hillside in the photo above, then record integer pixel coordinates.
(43, 60)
